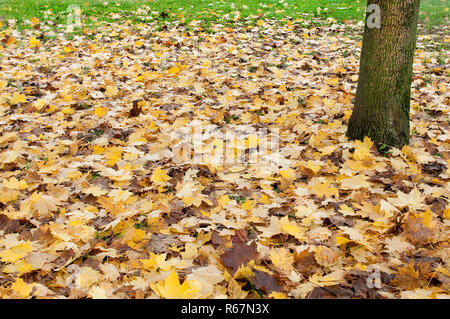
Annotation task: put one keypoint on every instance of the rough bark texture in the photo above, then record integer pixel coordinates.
(382, 102)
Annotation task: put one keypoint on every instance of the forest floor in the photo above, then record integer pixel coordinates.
(97, 199)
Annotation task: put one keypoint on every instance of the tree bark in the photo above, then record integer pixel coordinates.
(382, 102)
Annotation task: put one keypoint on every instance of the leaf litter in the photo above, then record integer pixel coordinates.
(97, 202)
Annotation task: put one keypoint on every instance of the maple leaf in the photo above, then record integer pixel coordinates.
(120, 195)
(136, 110)
(325, 256)
(113, 155)
(22, 288)
(14, 183)
(17, 98)
(95, 190)
(264, 281)
(288, 173)
(418, 228)
(282, 259)
(409, 277)
(362, 149)
(171, 288)
(160, 177)
(88, 277)
(34, 43)
(17, 252)
(323, 189)
(209, 276)
(156, 262)
(44, 204)
(413, 200)
(100, 111)
(355, 182)
(241, 253)
(290, 227)
(305, 262)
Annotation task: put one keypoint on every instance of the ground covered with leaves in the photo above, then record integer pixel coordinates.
(96, 200)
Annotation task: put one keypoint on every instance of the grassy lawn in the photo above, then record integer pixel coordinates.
(433, 12)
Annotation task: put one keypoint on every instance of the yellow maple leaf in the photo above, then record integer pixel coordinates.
(333, 81)
(362, 149)
(342, 240)
(223, 200)
(8, 196)
(14, 183)
(156, 261)
(113, 155)
(75, 174)
(313, 166)
(160, 176)
(323, 189)
(281, 258)
(265, 199)
(118, 195)
(171, 288)
(175, 70)
(138, 235)
(427, 218)
(35, 43)
(39, 104)
(17, 98)
(248, 205)
(288, 173)
(16, 252)
(3, 84)
(95, 191)
(277, 295)
(22, 288)
(68, 110)
(290, 228)
(447, 213)
(68, 49)
(20, 268)
(97, 150)
(111, 91)
(100, 111)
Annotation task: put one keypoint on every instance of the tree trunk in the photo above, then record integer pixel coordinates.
(382, 102)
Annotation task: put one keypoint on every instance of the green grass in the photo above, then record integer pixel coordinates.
(433, 12)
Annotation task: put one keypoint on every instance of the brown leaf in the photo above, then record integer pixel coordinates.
(265, 282)
(159, 243)
(305, 262)
(136, 110)
(241, 253)
(409, 277)
(8, 226)
(331, 292)
(416, 231)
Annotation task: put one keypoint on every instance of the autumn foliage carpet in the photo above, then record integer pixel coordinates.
(95, 200)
